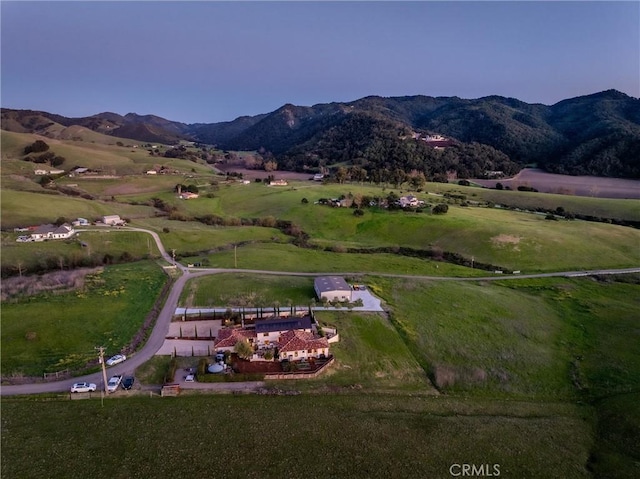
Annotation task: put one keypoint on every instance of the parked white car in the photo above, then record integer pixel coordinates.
(83, 387)
(117, 359)
(114, 382)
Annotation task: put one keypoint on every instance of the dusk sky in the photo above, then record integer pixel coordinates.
(214, 61)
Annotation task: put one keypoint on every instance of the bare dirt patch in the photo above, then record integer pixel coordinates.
(593, 186)
(506, 240)
(57, 281)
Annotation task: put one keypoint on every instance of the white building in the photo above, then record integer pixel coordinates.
(332, 288)
(112, 220)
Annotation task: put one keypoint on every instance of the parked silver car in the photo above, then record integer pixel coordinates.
(83, 387)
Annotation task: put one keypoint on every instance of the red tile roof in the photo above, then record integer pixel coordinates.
(299, 341)
(230, 336)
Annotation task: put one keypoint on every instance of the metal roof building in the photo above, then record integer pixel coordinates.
(332, 288)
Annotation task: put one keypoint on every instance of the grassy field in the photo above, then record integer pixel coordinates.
(20, 208)
(100, 247)
(325, 436)
(370, 356)
(52, 332)
(247, 289)
(548, 338)
(288, 257)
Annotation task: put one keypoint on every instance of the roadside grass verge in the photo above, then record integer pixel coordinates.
(368, 436)
(53, 332)
(154, 370)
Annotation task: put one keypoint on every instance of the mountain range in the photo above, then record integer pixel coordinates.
(596, 134)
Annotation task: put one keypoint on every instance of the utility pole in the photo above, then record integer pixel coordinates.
(235, 256)
(104, 367)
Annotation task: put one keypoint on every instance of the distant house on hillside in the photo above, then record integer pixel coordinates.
(278, 183)
(49, 231)
(81, 222)
(151, 172)
(40, 172)
(332, 288)
(410, 201)
(186, 195)
(112, 220)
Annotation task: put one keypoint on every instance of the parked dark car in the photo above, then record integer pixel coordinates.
(127, 382)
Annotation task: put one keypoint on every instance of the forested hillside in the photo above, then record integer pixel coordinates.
(596, 134)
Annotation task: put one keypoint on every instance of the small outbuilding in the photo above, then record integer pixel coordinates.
(332, 288)
(111, 220)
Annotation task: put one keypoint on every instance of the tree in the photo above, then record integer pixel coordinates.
(270, 166)
(341, 174)
(440, 209)
(37, 146)
(243, 349)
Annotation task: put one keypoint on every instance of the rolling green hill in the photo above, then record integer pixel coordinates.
(595, 134)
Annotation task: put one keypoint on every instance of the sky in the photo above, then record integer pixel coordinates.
(213, 61)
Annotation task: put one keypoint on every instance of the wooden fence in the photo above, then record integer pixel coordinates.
(57, 375)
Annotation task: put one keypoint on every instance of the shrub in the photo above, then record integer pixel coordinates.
(440, 209)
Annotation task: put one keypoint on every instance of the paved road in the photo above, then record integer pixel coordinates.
(161, 327)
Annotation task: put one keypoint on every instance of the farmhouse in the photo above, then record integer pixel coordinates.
(49, 231)
(293, 337)
(40, 172)
(332, 288)
(112, 220)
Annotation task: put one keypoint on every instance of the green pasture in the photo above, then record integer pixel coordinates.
(481, 339)
(20, 208)
(359, 436)
(508, 239)
(250, 290)
(288, 257)
(545, 338)
(52, 332)
(106, 245)
(602, 336)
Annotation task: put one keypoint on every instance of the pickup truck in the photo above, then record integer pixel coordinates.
(114, 382)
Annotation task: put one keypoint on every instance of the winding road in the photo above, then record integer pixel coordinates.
(161, 328)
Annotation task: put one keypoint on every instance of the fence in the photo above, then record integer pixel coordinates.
(57, 375)
(299, 374)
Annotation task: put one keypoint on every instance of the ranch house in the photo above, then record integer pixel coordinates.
(49, 231)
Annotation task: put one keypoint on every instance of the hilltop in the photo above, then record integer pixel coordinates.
(596, 134)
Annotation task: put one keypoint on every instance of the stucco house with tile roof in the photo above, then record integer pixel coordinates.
(297, 345)
(268, 331)
(228, 337)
